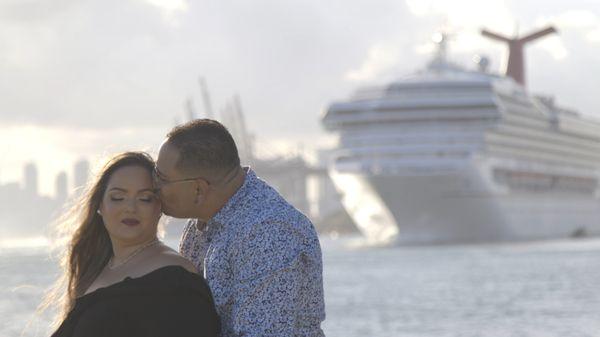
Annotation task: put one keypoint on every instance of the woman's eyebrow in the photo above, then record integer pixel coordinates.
(140, 191)
(118, 189)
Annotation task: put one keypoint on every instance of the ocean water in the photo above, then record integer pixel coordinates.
(525, 289)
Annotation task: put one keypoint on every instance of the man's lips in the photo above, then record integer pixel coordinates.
(130, 222)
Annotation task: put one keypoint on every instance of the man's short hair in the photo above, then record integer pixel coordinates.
(204, 145)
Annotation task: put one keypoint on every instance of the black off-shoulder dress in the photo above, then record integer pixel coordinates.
(167, 302)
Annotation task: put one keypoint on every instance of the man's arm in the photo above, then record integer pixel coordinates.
(272, 287)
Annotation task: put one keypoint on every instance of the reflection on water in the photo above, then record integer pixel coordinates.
(525, 289)
(533, 289)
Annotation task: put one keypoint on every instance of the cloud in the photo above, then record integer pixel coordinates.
(35, 10)
(577, 19)
(169, 5)
(461, 14)
(555, 47)
(584, 22)
(380, 58)
(84, 65)
(594, 35)
(460, 20)
(171, 9)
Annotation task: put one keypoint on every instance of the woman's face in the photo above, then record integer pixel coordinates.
(130, 209)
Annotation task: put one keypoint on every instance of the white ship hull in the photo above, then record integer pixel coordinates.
(459, 204)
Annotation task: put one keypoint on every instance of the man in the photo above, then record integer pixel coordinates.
(260, 256)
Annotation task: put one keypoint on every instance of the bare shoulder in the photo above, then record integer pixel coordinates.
(169, 257)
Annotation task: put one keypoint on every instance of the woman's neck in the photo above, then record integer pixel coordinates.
(125, 250)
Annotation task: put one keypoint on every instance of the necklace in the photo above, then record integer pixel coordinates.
(112, 266)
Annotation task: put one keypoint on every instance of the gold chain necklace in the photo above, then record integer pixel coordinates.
(112, 266)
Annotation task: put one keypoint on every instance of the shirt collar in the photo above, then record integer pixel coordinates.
(224, 215)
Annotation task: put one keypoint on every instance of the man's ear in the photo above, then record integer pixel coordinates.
(199, 198)
(201, 188)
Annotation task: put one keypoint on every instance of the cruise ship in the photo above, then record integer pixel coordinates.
(451, 155)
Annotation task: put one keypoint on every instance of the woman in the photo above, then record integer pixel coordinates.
(121, 280)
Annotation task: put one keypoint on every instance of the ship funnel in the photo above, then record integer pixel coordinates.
(516, 62)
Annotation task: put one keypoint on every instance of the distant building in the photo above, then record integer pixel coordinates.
(288, 176)
(8, 192)
(31, 179)
(61, 190)
(82, 170)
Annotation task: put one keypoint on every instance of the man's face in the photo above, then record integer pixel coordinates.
(178, 192)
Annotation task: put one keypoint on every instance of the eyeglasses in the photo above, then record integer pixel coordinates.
(160, 182)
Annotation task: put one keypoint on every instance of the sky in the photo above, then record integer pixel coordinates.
(88, 78)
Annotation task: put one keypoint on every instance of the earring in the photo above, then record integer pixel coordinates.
(98, 211)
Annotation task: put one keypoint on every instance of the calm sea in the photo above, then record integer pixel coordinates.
(525, 289)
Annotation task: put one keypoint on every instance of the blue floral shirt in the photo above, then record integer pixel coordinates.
(262, 260)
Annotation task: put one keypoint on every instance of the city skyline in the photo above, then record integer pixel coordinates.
(64, 183)
(25, 212)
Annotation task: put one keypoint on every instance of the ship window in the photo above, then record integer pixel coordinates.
(535, 181)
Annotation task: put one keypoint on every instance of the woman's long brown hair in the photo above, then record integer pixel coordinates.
(89, 247)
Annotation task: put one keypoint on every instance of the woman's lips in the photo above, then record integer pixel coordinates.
(130, 222)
